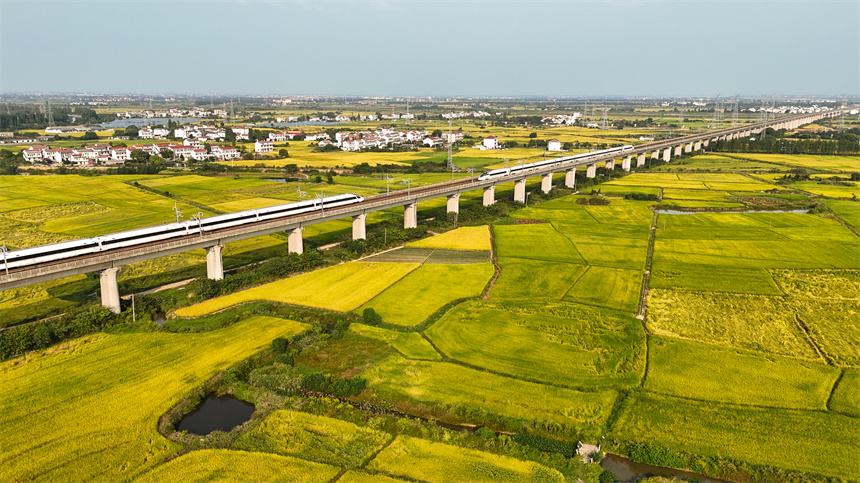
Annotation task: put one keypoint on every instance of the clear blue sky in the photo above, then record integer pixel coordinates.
(438, 48)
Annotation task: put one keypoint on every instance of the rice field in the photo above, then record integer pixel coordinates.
(464, 390)
(556, 343)
(716, 162)
(534, 279)
(846, 395)
(820, 443)
(754, 240)
(353, 476)
(341, 287)
(227, 466)
(827, 163)
(845, 209)
(415, 458)
(464, 238)
(315, 438)
(713, 278)
(519, 241)
(425, 290)
(46, 209)
(834, 326)
(87, 410)
(410, 344)
(613, 288)
(705, 372)
(741, 321)
(820, 284)
(708, 181)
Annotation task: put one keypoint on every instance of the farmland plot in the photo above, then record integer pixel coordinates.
(440, 463)
(521, 241)
(315, 438)
(87, 410)
(747, 434)
(464, 238)
(341, 287)
(557, 343)
(424, 291)
(701, 371)
(227, 466)
(410, 344)
(612, 288)
(534, 279)
(846, 395)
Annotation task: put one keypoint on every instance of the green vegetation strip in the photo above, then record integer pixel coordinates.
(410, 344)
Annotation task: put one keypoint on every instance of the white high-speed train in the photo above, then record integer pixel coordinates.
(56, 251)
(522, 168)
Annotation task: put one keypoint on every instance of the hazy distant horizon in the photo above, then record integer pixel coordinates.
(436, 48)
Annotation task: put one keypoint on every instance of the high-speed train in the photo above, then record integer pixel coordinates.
(522, 168)
(84, 246)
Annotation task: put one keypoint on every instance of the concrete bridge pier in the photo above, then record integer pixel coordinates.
(678, 149)
(688, 148)
(625, 163)
(697, 146)
(109, 289)
(570, 178)
(640, 160)
(610, 164)
(667, 155)
(591, 170)
(520, 190)
(546, 182)
(214, 262)
(295, 243)
(489, 195)
(655, 154)
(410, 215)
(706, 142)
(454, 203)
(359, 227)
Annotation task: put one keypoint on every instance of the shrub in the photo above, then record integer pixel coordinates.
(280, 344)
(371, 317)
(656, 455)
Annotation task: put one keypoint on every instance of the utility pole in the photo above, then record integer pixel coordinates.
(735, 112)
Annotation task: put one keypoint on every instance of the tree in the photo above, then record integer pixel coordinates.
(330, 177)
(533, 135)
(139, 156)
(132, 131)
(157, 160)
(283, 153)
(89, 136)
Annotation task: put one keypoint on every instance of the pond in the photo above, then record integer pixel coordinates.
(627, 470)
(159, 318)
(296, 124)
(216, 414)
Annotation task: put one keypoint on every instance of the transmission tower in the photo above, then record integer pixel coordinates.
(50, 112)
(718, 113)
(735, 112)
(604, 122)
(450, 147)
(232, 112)
(762, 116)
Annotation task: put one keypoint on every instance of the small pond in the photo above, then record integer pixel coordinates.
(216, 414)
(159, 318)
(627, 470)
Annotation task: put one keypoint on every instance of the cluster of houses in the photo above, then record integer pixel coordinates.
(356, 141)
(170, 113)
(562, 119)
(455, 115)
(107, 155)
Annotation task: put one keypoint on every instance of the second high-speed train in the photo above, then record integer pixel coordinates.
(522, 168)
(47, 253)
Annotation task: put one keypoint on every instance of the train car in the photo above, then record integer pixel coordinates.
(85, 246)
(524, 168)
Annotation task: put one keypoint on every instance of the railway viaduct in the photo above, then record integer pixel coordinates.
(107, 263)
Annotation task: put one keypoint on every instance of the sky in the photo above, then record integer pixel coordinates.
(432, 48)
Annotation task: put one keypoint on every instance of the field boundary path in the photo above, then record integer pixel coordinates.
(497, 269)
(199, 206)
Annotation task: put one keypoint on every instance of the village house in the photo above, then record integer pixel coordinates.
(241, 132)
(553, 145)
(264, 146)
(490, 142)
(277, 136)
(225, 153)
